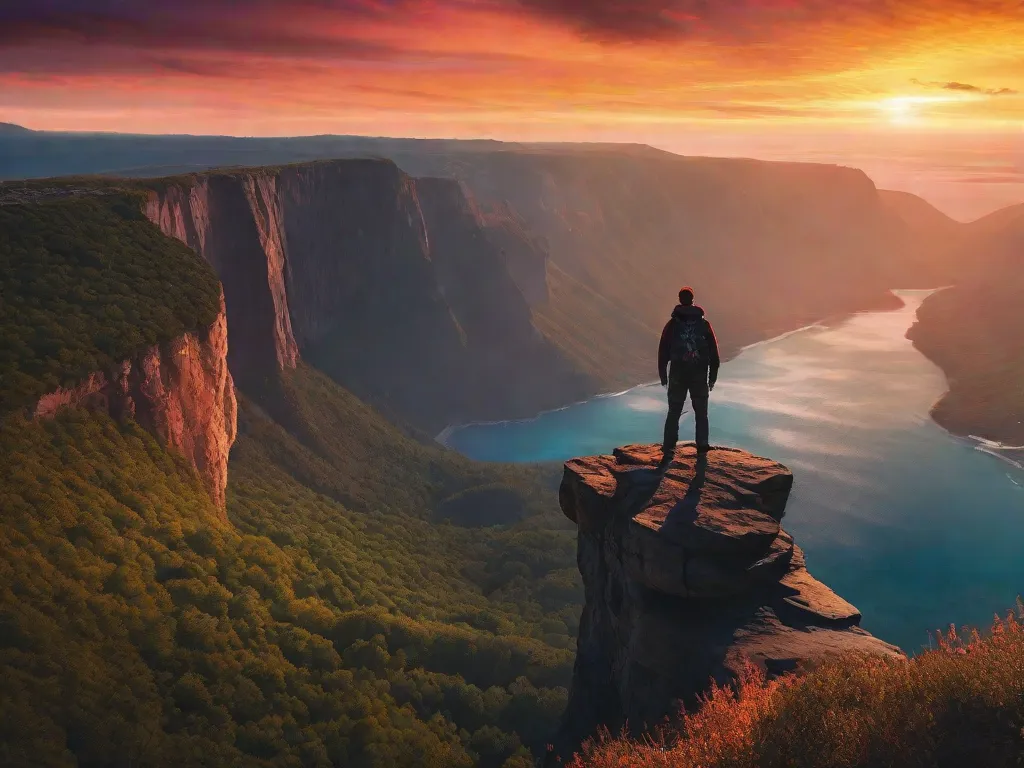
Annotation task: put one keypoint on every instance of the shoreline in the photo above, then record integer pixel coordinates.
(1008, 454)
(1004, 458)
(957, 424)
(448, 431)
(445, 434)
(1011, 455)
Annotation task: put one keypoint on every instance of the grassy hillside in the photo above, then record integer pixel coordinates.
(962, 704)
(306, 631)
(86, 282)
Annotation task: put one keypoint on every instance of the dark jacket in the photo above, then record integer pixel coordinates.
(682, 312)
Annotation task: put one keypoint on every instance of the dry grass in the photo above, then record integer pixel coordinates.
(959, 705)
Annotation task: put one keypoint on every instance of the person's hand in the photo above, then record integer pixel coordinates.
(711, 385)
(664, 383)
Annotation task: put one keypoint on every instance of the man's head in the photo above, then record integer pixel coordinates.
(686, 296)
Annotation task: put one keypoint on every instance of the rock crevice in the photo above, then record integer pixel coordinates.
(688, 576)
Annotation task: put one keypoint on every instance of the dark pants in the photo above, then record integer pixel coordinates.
(683, 379)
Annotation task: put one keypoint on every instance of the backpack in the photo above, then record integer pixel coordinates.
(690, 343)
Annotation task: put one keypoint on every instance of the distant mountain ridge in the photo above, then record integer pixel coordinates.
(917, 211)
(26, 154)
(998, 220)
(11, 129)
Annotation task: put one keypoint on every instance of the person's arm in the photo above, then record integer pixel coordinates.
(664, 351)
(714, 361)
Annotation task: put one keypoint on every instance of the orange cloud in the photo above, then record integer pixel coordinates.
(510, 68)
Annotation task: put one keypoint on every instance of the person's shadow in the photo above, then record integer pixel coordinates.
(640, 486)
(684, 513)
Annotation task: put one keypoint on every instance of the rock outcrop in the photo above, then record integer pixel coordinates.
(688, 576)
(182, 392)
(398, 288)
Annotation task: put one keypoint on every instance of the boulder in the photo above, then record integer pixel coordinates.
(688, 576)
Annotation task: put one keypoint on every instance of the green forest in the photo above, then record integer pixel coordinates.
(85, 282)
(359, 607)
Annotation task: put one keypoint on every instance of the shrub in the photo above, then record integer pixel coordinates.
(961, 704)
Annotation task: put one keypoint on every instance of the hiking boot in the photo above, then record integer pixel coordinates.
(666, 457)
(703, 448)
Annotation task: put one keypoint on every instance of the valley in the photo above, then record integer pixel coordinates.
(222, 500)
(335, 608)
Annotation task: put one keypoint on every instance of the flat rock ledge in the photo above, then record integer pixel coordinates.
(688, 574)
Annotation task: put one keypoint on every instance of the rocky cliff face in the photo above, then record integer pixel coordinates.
(182, 392)
(476, 259)
(688, 573)
(526, 255)
(399, 288)
(232, 222)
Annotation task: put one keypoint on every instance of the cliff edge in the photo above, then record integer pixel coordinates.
(180, 391)
(688, 575)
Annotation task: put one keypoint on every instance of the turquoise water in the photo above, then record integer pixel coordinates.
(916, 528)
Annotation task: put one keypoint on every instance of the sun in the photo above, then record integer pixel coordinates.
(900, 108)
(908, 110)
(905, 110)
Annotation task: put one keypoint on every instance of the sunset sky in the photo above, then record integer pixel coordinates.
(814, 79)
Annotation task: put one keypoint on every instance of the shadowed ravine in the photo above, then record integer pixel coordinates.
(912, 525)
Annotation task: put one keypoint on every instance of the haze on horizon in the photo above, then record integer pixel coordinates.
(924, 95)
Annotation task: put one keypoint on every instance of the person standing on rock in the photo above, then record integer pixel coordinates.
(689, 344)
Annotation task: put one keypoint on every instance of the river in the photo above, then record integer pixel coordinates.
(917, 528)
